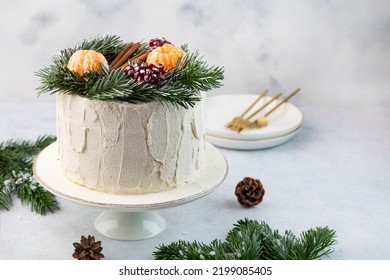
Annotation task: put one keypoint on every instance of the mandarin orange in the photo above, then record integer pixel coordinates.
(166, 55)
(83, 61)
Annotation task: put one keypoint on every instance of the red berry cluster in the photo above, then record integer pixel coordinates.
(157, 42)
(142, 72)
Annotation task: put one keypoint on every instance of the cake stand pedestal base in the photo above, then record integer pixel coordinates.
(123, 225)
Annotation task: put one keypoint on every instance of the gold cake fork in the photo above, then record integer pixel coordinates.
(262, 121)
(235, 123)
(247, 122)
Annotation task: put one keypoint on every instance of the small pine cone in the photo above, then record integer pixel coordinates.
(87, 249)
(249, 192)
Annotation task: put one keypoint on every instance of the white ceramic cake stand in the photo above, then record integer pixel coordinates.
(129, 217)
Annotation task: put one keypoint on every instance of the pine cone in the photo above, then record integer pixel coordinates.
(249, 192)
(88, 249)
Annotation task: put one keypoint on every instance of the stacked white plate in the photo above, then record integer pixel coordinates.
(283, 124)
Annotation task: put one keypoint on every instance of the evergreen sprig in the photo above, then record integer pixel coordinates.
(253, 240)
(182, 86)
(16, 176)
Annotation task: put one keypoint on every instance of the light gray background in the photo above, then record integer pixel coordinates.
(335, 172)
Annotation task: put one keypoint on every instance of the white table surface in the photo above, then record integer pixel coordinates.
(334, 172)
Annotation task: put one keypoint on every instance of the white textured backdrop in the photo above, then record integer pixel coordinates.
(335, 50)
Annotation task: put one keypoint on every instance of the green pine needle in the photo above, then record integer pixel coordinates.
(251, 240)
(16, 177)
(5, 194)
(182, 86)
(197, 75)
(40, 200)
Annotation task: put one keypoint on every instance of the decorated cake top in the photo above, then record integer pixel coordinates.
(107, 68)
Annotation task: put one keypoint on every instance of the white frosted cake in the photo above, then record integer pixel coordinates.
(130, 115)
(124, 148)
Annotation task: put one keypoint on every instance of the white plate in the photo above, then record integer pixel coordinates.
(222, 108)
(250, 144)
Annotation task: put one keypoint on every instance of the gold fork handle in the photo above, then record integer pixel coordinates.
(281, 102)
(254, 103)
(265, 105)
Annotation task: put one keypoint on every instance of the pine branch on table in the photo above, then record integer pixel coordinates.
(5, 193)
(16, 177)
(253, 240)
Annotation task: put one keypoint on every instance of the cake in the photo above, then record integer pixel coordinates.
(119, 147)
(130, 116)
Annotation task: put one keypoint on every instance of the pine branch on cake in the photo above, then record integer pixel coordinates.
(182, 85)
(197, 75)
(16, 178)
(107, 45)
(116, 86)
(253, 240)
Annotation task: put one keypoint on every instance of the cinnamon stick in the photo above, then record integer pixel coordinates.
(127, 55)
(121, 53)
(141, 56)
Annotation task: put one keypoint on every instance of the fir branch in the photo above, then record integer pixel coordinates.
(16, 178)
(15, 155)
(182, 86)
(41, 201)
(107, 45)
(242, 241)
(315, 243)
(251, 240)
(5, 193)
(197, 75)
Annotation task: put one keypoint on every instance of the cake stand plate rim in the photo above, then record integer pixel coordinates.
(48, 173)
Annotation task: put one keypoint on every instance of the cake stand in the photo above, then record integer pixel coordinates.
(129, 217)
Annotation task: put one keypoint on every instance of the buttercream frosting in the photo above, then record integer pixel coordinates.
(124, 148)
